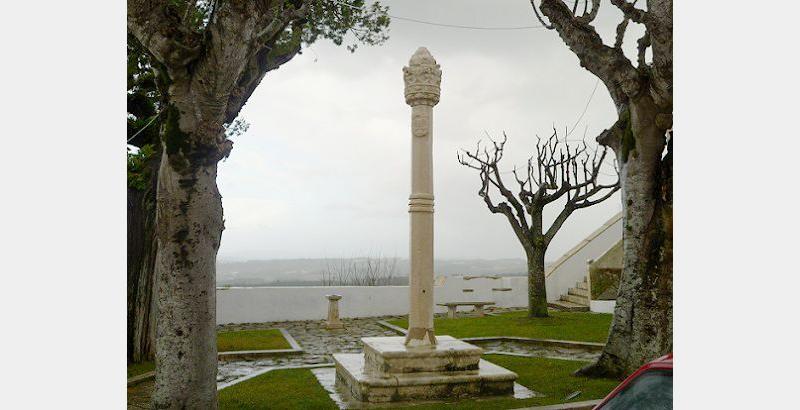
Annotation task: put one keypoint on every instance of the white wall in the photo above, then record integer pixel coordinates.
(571, 267)
(602, 306)
(268, 304)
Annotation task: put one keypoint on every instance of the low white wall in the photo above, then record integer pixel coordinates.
(602, 306)
(269, 304)
(571, 267)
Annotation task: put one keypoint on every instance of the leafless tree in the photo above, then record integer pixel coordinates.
(642, 140)
(558, 171)
(378, 271)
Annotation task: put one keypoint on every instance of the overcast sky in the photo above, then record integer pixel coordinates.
(324, 169)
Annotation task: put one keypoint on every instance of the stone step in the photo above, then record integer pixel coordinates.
(582, 285)
(568, 306)
(576, 299)
(578, 292)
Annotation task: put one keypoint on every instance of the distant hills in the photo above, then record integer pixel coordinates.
(309, 272)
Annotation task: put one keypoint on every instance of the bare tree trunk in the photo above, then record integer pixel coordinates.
(190, 226)
(642, 325)
(537, 291)
(142, 247)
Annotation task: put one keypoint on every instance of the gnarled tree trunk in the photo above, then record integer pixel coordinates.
(642, 326)
(142, 248)
(210, 57)
(189, 231)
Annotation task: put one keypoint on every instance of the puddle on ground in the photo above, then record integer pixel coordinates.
(529, 349)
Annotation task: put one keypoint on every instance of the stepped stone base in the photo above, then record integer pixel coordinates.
(390, 355)
(579, 300)
(389, 372)
(566, 306)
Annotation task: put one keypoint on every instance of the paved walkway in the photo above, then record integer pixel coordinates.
(317, 342)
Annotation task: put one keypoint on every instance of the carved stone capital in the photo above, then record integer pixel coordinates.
(423, 78)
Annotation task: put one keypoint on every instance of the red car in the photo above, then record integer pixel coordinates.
(650, 387)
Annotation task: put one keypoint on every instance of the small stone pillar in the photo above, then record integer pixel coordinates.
(422, 80)
(333, 312)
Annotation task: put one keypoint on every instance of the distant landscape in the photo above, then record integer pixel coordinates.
(311, 272)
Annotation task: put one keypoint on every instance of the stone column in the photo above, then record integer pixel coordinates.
(422, 79)
(333, 312)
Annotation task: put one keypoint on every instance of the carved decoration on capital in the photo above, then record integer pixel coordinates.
(423, 78)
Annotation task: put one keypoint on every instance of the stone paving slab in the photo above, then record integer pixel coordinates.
(318, 343)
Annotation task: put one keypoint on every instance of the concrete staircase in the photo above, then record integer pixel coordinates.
(576, 299)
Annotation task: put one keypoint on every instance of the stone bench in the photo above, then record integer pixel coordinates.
(452, 306)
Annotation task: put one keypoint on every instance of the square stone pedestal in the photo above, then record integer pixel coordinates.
(389, 371)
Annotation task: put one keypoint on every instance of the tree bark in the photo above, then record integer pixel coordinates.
(537, 291)
(209, 69)
(642, 326)
(142, 248)
(190, 224)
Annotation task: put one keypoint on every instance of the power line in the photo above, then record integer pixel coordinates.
(433, 23)
(580, 117)
(596, 83)
(145, 126)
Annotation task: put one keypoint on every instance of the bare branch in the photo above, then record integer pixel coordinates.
(612, 137)
(539, 16)
(557, 223)
(621, 33)
(563, 170)
(608, 63)
(282, 18)
(643, 44)
(588, 18)
(258, 65)
(630, 11)
(163, 33)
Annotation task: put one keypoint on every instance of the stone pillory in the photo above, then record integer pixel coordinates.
(420, 367)
(422, 89)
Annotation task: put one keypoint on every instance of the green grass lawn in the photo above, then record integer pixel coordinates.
(268, 339)
(576, 326)
(299, 389)
(135, 369)
(278, 389)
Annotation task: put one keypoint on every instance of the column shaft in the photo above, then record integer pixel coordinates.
(422, 78)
